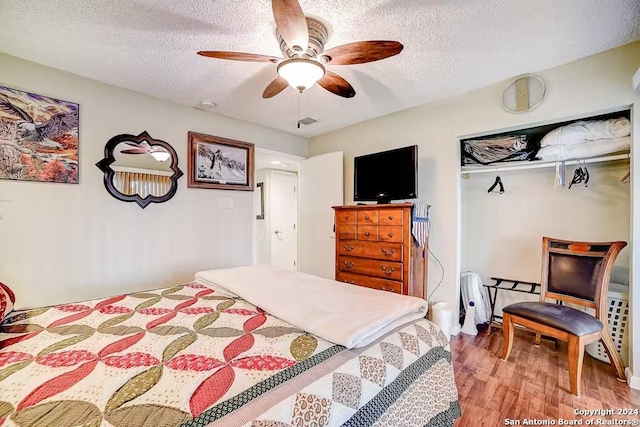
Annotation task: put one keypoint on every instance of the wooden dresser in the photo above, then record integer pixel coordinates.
(375, 249)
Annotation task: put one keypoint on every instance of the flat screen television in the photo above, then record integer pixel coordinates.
(386, 176)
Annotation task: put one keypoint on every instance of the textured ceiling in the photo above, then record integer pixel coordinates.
(451, 46)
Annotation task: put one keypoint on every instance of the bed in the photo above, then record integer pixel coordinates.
(201, 354)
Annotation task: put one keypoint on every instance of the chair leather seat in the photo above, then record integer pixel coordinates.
(556, 316)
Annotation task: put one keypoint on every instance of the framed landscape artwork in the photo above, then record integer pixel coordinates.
(220, 163)
(38, 137)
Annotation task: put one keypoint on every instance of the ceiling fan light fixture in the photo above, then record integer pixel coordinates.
(161, 156)
(301, 73)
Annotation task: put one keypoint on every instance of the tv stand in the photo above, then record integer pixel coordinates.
(383, 198)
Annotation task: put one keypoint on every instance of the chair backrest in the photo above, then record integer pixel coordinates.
(578, 272)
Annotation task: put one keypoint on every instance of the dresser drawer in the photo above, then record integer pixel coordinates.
(374, 250)
(390, 233)
(346, 232)
(370, 267)
(345, 217)
(368, 232)
(390, 217)
(370, 282)
(368, 217)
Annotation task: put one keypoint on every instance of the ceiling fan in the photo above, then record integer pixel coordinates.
(302, 41)
(158, 152)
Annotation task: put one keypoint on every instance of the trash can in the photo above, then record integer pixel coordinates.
(442, 316)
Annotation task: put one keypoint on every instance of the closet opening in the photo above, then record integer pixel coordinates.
(511, 199)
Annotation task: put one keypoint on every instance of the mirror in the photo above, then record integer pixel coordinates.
(140, 169)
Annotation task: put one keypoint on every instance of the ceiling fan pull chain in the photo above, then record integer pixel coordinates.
(299, 95)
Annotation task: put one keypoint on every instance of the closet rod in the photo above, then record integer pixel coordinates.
(538, 164)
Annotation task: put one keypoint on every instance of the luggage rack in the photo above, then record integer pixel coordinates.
(508, 285)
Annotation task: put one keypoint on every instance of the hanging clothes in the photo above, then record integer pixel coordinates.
(420, 223)
(561, 177)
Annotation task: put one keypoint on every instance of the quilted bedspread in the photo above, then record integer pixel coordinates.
(198, 356)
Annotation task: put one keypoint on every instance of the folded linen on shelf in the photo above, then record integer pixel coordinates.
(584, 150)
(591, 130)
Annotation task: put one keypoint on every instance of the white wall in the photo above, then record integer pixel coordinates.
(582, 87)
(62, 243)
(502, 233)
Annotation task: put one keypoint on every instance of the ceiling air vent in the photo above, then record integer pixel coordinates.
(307, 121)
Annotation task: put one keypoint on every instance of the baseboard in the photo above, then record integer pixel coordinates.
(632, 380)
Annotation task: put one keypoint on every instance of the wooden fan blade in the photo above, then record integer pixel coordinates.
(362, 52)
(135, 151)
(336, 84)
(291, 23)
(275, 87)
(238, 56)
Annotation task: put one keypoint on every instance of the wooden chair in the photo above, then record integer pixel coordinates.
(576, 273)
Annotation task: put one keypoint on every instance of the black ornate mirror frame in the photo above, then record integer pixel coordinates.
(105, 166)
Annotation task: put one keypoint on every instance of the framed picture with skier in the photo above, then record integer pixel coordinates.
(38, 137)
(220, 163)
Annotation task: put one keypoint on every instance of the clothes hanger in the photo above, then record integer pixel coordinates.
(626, 178)
(561, 179)
(498, 182)
(581, 174)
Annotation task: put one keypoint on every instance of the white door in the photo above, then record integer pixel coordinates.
(321, 183)
(284, 238)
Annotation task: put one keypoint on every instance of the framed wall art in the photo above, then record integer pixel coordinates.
(220, 163)
(38, 137)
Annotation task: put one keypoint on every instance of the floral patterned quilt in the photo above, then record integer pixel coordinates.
(196, 356)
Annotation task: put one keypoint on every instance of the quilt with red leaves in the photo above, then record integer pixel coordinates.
(198, 356)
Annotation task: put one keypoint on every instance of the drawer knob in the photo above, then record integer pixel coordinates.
(346, 233)
(390, 217)
(346, 218)
(346, 281)
(390, 234)
(367, 234)
(349, 264)
(348, 249)
(367, 217)
(391, 252)
(388, 272)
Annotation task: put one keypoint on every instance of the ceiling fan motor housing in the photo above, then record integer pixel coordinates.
(318, 35)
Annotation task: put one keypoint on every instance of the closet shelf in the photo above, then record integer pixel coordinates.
(536, 164)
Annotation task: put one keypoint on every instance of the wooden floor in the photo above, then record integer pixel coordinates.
(533, 383)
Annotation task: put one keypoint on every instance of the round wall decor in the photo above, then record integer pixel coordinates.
(524, 93)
